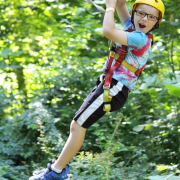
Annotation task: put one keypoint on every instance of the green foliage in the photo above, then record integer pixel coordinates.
(50, 56)
(174, 89)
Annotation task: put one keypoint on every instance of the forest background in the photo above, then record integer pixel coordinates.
(51, 53)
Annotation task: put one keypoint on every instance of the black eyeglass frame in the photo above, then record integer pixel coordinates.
(157, 18)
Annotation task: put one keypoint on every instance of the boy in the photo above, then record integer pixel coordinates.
(146, 16)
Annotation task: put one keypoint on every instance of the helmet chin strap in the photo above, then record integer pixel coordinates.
(156, 26)
(132, 18)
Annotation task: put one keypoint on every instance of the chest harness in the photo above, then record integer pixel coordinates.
(119, 60)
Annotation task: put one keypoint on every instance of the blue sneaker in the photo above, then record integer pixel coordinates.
(51, 176)
(68, 171)
(48, 169)
(43, 171)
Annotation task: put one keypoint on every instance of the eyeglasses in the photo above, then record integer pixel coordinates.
(149, 16)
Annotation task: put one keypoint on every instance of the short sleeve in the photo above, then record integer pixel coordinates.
(137, 40)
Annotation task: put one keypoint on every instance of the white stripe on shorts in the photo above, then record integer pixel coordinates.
(90, 110)
(97, 103)
(116, 89)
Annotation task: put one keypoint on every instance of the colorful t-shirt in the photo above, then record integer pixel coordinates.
(139, 47)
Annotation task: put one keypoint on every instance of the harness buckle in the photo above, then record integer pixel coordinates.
(107, 97)
(112, 54)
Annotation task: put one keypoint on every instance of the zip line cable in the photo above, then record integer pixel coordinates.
(101, 9)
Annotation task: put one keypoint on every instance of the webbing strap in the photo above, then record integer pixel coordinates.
(107, 99)
(120, 56)
(129, 67)
(152, 38)
(124, 63)
(109, 71)
(111, 57)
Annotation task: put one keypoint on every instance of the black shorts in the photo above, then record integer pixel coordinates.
(92, 108)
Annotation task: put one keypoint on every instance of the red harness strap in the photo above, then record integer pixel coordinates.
(109, 71)
(138, 72)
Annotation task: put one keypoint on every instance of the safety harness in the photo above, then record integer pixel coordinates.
(119, 57)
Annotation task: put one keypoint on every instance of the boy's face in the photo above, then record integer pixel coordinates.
(145, 24)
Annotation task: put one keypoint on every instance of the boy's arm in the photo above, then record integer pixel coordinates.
(122, 10)
(109, 29)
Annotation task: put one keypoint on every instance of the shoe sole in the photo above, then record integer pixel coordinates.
(69, 175)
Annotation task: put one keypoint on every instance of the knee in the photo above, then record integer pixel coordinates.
(75, 127)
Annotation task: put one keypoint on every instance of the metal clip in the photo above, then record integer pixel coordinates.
(112, 54)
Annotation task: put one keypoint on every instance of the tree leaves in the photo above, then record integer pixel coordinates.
(51, 54)
(175, 23)
(174, 89)
(5, 52)
(139, 128)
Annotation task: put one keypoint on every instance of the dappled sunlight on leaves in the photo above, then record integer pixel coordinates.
(51, 53)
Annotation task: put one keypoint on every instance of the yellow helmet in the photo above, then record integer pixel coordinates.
(158, 4)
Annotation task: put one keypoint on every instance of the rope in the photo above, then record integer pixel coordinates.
(101, 9)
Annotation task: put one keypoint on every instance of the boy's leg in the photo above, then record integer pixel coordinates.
(72, 146)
